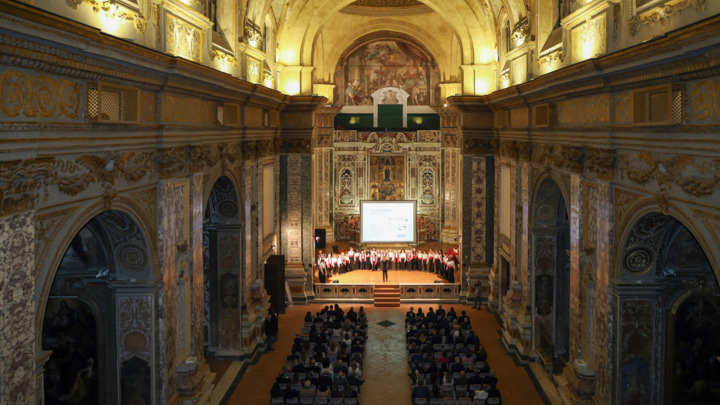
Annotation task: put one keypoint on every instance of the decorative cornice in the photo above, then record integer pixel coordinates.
(223, 57)
(549, 58)
(662, 13)
(114, 9)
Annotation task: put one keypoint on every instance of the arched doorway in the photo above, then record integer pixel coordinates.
(551, 268)
(99, 317)
(668, 301)
(224, 281)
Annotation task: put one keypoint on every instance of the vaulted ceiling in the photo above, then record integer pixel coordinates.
(304, 25)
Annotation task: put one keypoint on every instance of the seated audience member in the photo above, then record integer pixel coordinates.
(420, 391)
(323, 392)
(307, 391)
(481, 394)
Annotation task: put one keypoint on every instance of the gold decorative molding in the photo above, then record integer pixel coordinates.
(38, 95)
(662, 13)
(115, 9)
(223, 57)
(704, 100)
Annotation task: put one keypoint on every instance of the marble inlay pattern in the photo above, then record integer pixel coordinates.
(322, 196)
(307, 229)
(17, 321)
(294, 219)
(524, 261)
(478, 209)
(451, 189)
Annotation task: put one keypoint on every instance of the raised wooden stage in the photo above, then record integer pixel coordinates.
(394, 277)
(415, 286)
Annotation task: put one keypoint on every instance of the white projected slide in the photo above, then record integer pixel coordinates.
(387, 221)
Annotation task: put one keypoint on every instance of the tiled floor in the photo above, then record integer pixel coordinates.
(385, 369)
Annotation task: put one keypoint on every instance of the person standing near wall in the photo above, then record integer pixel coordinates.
(478, 294)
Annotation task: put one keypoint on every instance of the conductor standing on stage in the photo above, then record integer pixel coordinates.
(385, 266)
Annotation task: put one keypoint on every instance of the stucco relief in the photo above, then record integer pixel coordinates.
(183, 39)
(22, 183)
(117, 9)
(662, 13)
(38, 96)
(699, 177)
(589, 39)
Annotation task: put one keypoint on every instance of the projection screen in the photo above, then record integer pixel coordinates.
(387, 221)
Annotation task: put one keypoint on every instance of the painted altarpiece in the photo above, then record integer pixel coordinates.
(386, 167)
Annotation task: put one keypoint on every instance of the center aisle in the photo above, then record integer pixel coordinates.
(385, 367)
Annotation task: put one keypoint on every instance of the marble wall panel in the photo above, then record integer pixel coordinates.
(604, 325)
(636, 348)
(17, 312)
(229, 289)
(575, 242)
(175, 229)
(135, 330)
(197, 267)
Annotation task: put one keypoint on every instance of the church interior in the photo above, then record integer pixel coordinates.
(171, 172)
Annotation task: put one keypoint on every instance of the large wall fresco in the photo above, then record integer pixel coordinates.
(387, 63)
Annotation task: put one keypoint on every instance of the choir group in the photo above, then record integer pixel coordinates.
(434, 261)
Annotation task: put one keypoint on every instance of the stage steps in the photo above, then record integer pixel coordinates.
(387, 295)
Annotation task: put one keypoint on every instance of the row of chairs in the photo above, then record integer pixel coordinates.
(458, 401)
(316, 401)
(302, 376)
(458, 394)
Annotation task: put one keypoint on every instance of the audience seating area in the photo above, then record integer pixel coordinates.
(325, 366)
(448, 364)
